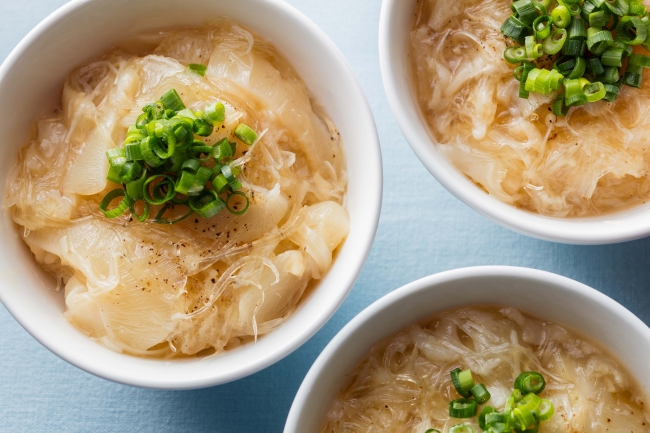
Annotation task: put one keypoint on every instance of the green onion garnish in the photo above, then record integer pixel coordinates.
(530, 382)
(455, 380)
(161, 163)
(119, 209)
(545, 410)
(594, 37)
(197, 68)
(245, 134)
(462, 408)
(480, 393)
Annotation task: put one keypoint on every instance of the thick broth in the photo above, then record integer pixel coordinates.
(403, 385)
(592, 162)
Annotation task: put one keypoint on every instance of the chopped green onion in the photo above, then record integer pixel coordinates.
(617, 7)
(130, 171)
(145, 211)
(541, 8)
(480, 393)
(166, 186)
(631, 30)
(559, 108)
(598, 40)
(565, 64)
(495, 417)
(233, 210)
(464, 377)
(612, 92)
(119, 209)
(481, 418)
(640, 60)
(554, 43)
(114, 175)
(527, 67)
(433, 430)
(216, 112)
(597, 3)
(587, 9)
(498, 428)
(462, 408)
(632, 79)
(455, 380)
(514, 28)
(133, 152)
(207, 205)
(572, 47)
(116, 157)
(595, 66)
(531, 381)
(203, 126)
(598, 19)
(197, 68)
(545, 410)
(171, 100)
(561, 17)
(530, 401)
(135, 189)
(514, 54)
(220, 184)
(516, 395)
(525, 418)
(246, 134)
(577, 29)
(542, 26)
(573, 6)
(579, 69)
(526, 11)
(609, 76)
(637, 9)
(612, 57)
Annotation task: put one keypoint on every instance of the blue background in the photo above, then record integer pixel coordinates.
(423, 230)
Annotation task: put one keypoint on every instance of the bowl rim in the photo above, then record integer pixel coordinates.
(584, 230)
(427, 283)
(368, 229)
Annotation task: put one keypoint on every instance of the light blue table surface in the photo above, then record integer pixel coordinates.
(423, 230)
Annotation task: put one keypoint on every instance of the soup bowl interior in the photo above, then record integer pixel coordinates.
(31, 81)
(397, 17)
(542, 294)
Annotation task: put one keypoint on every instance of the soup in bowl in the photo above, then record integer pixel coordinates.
(538, 351)
(170, 165)
(502, 149)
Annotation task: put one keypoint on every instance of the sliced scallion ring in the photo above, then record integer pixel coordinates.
(531, 381)
(595, 91)
(197, 68)
(631, 30)
(462, 408)
(561, 17)
(165, 186)
(117, 210)
(145, 211)
(234, 209)
(545, 410)
(554, 43)
(515, 54)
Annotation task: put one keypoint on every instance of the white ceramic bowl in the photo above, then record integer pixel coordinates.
(30, 86)
(542, 294)
(394, 28)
